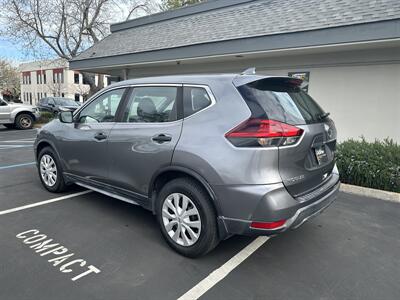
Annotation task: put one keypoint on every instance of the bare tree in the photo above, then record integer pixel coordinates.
(56, 88)
(65, 27)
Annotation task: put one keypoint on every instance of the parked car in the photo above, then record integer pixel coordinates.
(210, 155)
(19, 115)
(57, 104)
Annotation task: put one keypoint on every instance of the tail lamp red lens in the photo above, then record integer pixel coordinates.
(267, 132)
(268, 225)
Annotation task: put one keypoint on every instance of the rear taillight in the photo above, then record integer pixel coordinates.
(266, 133)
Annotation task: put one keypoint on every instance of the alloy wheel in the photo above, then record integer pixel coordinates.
(25, 122)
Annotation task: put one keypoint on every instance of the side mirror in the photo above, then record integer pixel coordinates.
(66, 117)
(51, 104)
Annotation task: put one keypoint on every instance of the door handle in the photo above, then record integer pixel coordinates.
(100, 136)
(162, 138)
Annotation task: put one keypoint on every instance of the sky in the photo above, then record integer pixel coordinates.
(12, 52)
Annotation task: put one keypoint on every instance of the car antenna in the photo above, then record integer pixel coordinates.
(249, 71)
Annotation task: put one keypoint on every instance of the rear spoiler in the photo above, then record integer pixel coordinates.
(258, 79)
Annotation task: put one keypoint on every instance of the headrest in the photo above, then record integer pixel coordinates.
(146, 107)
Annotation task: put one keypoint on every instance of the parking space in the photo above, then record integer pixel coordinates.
(108, 249)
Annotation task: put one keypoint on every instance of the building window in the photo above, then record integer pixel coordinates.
(26, 77)
(41, 77)
(58, 76)
(30, 98)
(77, 97)
(76, 78)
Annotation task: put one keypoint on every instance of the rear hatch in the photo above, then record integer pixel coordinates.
(306, 155)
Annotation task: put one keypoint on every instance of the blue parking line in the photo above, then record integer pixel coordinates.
(17, 165)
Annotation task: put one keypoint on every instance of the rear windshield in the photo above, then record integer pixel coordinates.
(281, 102)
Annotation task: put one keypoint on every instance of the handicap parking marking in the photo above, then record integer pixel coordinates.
(17, 165)
(11, 210)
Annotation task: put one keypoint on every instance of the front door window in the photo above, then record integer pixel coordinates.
(103, 109)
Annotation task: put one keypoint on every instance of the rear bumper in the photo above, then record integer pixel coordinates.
(274, 205)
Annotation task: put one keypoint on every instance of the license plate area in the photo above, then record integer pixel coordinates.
(321, 155)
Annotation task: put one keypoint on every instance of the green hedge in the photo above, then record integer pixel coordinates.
(46, 117)
(374, 165)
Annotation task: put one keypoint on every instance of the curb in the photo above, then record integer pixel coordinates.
(363, 191)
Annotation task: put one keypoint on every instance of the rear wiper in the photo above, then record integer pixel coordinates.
(323, 116)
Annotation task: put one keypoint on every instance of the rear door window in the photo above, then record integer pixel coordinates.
(153, 104)
(194, 100)
(282, 101)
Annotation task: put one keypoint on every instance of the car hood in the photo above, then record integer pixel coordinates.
(18, 105)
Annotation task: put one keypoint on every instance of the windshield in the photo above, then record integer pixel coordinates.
(281, 102)
(65, 102)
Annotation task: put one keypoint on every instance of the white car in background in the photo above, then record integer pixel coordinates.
(18, 115)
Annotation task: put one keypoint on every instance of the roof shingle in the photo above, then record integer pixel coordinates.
(251, 19)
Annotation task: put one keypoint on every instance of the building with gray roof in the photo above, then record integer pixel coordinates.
(349, 51)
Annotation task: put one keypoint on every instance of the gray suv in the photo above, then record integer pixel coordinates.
(210, 155)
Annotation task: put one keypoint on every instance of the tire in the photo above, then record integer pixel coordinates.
(48, 157)
(9, 126)
(197, 198)
(24, 121)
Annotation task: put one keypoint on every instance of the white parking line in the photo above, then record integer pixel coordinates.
(7, 147)
(27, 140)
(8, 211)
(217, 275)
(17, 165)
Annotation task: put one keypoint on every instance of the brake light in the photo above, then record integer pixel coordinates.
(268, 225)
(264, 133)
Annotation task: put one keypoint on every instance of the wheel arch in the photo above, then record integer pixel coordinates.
(172, 172)
(45, 143)
(25, 112)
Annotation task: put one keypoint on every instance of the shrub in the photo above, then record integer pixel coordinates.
(374, 165)
(46, 117)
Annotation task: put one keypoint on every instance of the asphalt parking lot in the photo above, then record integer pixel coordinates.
(350, 251)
